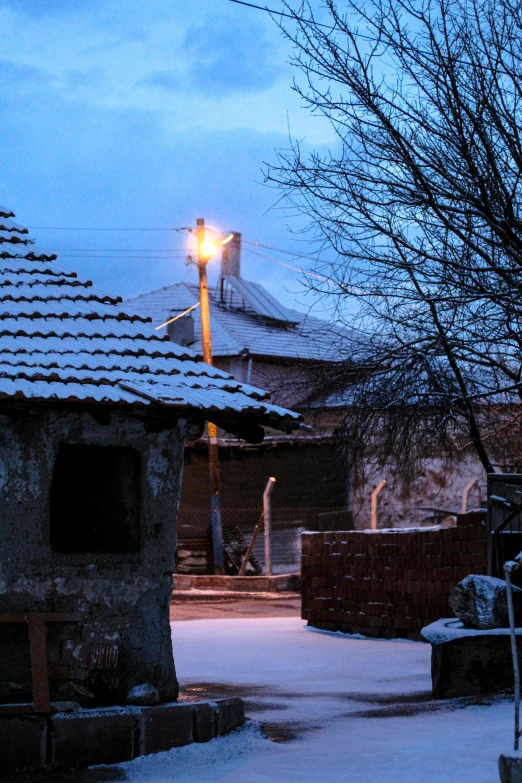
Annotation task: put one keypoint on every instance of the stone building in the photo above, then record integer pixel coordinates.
(95, 408)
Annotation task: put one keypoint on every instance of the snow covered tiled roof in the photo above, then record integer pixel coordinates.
(61, 339)
(236, 332)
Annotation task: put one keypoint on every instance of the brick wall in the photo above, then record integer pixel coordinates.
(388, 583)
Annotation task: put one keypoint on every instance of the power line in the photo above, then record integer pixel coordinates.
(286, 252)
(114, 249)
(282, 13)
(313, 23)
(287, 266)
(137, 258)
(83, 228)
(171, 320)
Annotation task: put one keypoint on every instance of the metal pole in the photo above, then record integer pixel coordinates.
(267, 519)
(213, 455)
(508, 568)
(465, 494)
(375, 494)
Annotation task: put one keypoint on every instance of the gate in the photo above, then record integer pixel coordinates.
(504, 520)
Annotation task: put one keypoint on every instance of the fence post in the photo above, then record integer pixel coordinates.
(375, 494)
(267, 519)
(465, 494)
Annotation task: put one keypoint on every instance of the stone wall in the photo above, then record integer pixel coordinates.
(122, 635)
(388, 583)
(404, 503)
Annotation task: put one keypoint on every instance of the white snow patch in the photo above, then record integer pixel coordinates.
(449, 628)
(361, 710)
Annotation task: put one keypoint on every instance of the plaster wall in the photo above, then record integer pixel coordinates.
(123, 636)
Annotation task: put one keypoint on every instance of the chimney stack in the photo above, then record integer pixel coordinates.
(231, 256)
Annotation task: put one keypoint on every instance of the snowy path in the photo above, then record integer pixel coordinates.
(359, 711)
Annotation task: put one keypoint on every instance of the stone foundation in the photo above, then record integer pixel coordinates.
(111, 736)
(236, 584)
(468, 662)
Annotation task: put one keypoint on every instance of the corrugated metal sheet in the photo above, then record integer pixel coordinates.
(236, 332)
(63, 340)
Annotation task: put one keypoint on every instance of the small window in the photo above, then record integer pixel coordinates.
(95, 499)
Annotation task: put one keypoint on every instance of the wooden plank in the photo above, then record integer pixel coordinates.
(16, 709)
(61, 617)
(47, 617)
(39, 673)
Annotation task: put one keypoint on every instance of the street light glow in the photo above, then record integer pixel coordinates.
(208, 248)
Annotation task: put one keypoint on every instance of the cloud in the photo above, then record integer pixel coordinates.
(21, 83)
(227, 54)
(42, 8)
(169, 80)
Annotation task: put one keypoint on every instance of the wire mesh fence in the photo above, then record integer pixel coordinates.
(288, 522)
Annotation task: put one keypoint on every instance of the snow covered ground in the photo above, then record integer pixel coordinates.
(353, 710)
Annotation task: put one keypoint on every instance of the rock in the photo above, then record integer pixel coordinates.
(143, 695)
(481, 602)
(510, 768)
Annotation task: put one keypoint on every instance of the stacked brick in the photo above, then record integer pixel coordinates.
(387, 583)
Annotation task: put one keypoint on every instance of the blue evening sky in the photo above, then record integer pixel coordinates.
(124, 113)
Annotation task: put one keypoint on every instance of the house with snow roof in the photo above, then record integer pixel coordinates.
(260, 341)
(95, 409)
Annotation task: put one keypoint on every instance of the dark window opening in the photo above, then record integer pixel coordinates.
(95, 499)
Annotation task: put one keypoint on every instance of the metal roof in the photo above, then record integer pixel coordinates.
(240, 332)
(254, 295)
(61, 339)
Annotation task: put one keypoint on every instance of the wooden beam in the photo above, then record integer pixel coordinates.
(47, 617)
(39, 671)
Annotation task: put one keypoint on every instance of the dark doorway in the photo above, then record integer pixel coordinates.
(95, 499)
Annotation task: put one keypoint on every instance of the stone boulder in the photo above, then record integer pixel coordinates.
(481, 602)
(144, 695)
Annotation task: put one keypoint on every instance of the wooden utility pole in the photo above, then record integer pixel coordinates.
(213, 455)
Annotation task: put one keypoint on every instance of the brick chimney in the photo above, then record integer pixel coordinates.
(231, 256)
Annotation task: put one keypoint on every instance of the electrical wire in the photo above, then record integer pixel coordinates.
(177, 316)
(293, 268)
(114, 249)
(313, 23)
(282, 13)
(77, 228)
(137, 258)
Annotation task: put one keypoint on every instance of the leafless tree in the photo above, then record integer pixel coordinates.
(421, 201)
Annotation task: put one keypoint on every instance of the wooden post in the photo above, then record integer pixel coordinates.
(267, 518)
(218, 547)
(39, 673)
(242, 570)
(38, 651)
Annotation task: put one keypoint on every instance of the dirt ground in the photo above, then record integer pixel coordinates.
(238, 608)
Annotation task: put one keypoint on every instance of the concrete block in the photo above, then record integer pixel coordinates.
(92, 737)
(510, 768)
(22, 744)
(204, 722)
(165, 727)
(472, 665)
(230, 714)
